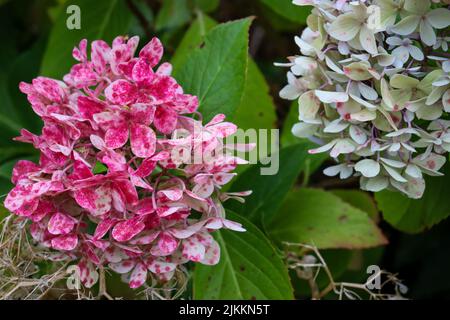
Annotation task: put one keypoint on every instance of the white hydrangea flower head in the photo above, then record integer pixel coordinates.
(372, 80)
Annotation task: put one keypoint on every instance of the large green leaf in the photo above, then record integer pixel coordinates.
(256, 109)
(249, 268)
(192, 40)
(410, 215)
(359, 199)
(321, 218)
(287, 10)
(100, 19)
(216, 71)
(269, 191)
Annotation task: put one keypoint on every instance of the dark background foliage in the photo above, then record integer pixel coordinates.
(421, 260)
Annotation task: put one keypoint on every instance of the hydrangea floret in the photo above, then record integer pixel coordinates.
(373, 88)
(110, 189)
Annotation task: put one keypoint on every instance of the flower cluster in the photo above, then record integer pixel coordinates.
(373, 87)
(110, 189)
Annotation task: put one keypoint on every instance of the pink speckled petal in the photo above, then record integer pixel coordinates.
(126, 230)
(167, 244)
(88, 273)
(143, 140)
(165, 119)
(122, 267)
(60, 223)
(212, 255)
(142, 72)
(65, 242)
(121, 92)
(193, 250)
(165, 69)
(22, 169)
(142, 113)
(116, 137)
(103, 227)
(160, 266)
(138, 276)
(152, 52)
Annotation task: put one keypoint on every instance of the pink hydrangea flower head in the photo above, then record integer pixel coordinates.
(112, 187)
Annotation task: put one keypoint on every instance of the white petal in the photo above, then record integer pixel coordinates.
(394, 174)
(427, 34)
(369, 168)
(376, 184)
(394, 41)
(346, 172)
(323, 148)
(395, 147)
(401, 53)
(308, 106)
(363, 102)
(333, 66)
(414, 188)
(413, 171)
(416, 53)
(393, 163)
(333, 170)
(406, 26)
(439, 18)
(343, 146)
(364, 115)
(367, 39)
(336, 126)
(358, 135)
(289, 92)
(367, 92)
(303, 129)
(329, 96)
(344, 28)
(446, 100)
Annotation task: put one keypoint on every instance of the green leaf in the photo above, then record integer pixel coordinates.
(100, 19)
(359, 199)
(216, 72)
(256, 109)
(287, 10)
(320, 218)
(411, 215)
(269, 191)
(192, 39)
(100, 168)
(173, 14)
(249, 268)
